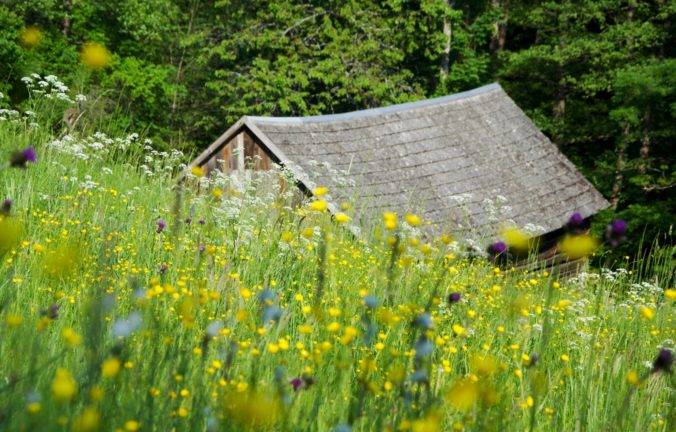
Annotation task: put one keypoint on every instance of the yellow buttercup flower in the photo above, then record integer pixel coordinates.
(632, 378)
(342, 218)
(319, 205)
(197, 171)
(320, 191)
(390, 220)
(413, 220)
(647, 313)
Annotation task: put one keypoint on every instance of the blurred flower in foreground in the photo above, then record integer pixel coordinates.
(578, 246)
(516, 239)
(125, 327)
(664, 361)
(19, 159)
(616, 232)
(62, 261)
(30, 37)
(10, 233)
(463, 395)
(6, 207)
(95, 56)
(64, 386)
(89, 420)
(252, 409)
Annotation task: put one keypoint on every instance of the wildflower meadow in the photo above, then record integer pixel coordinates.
(137, 296)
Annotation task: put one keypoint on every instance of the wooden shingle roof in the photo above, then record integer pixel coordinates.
(418, 156)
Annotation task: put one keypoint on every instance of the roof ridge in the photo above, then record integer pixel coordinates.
(390, 109)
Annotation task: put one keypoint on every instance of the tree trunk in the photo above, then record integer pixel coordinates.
(499, 27)
(446, 54)
(179, 68)
(65, 27)
(645, 143)
(616, 191)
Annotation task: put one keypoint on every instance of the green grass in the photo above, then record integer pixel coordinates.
(88, 243)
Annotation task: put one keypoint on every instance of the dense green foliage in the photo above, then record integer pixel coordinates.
(596, 76)
(129, 302)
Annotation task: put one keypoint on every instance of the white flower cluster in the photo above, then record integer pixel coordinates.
(14, 116)
(160, 162)
(50, 87)
(101, 147)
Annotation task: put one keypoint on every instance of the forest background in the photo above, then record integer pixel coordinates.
(598, 77)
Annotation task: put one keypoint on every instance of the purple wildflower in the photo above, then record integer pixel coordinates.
(454, 297)
(616, 232)
(160, 226)
(163, 268)
(576, 223)
(303, 382)
(188, 221)
(497, 248)
(297, 383)
(533, 359)
(663, 361)
(51, 312)
(20, 158)
(202, 248)
(6, 207)
(202, 222)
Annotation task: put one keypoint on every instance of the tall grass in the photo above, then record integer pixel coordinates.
(247, 311)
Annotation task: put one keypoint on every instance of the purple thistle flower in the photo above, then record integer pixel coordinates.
(575, 220)
(202, 248)
(20, 158)
(576, 223)
(618, 226)
(663, 361)
(188, 221)
(297, 383)
(497, 248)
(6, 207)
(303, 382)
(454, 297)
(202, 222)
(616, 232)
(163, 268)
(160, 226)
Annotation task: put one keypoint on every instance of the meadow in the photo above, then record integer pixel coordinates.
(131, 301)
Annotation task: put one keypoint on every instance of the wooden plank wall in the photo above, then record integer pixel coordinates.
(227, 159)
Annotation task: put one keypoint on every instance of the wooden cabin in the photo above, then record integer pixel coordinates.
(420, 157)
